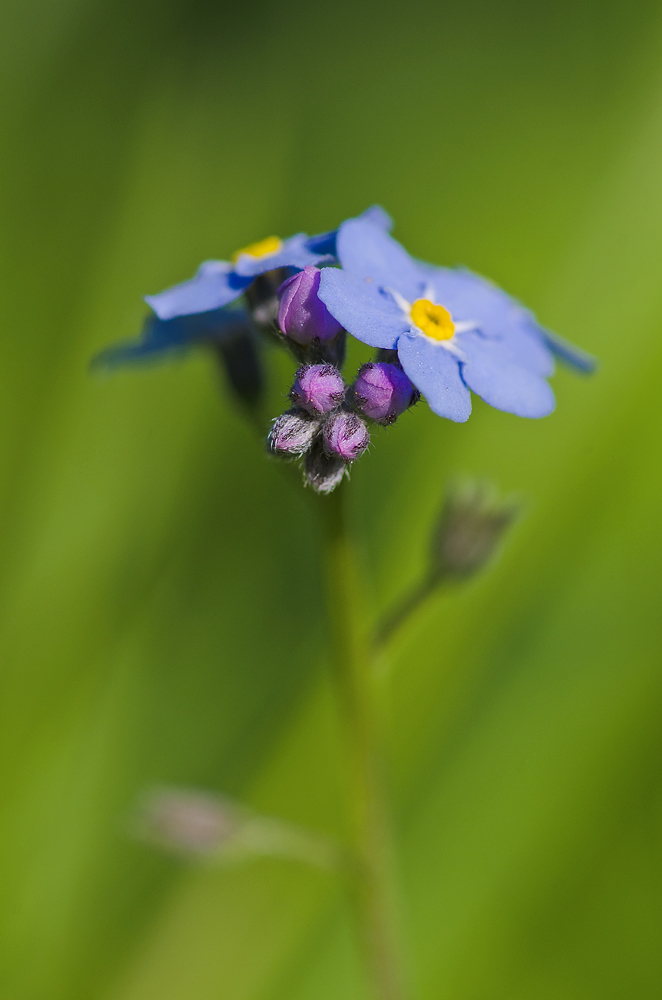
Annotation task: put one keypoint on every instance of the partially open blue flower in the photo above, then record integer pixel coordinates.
(453, 330)
(219, 282)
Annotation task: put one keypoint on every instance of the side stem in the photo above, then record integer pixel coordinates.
(374, 884)
(403, 610)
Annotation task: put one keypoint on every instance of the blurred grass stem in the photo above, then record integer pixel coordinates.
(374, 882)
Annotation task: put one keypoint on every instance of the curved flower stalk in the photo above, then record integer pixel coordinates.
(439, 334)
(468, 532)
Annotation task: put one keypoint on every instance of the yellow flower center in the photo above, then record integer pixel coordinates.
(434, 321)
(260, 249)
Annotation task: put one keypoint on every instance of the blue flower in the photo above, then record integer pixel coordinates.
(453, 330)
(189, 313)
(217, 283)
(176, 335)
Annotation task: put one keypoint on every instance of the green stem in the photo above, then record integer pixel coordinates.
(374, 888)
(404, 609)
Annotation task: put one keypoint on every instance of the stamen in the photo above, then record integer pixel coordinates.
(262, 248)
(433, 320)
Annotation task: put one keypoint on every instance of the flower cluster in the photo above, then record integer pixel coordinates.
(326, 423)
(438, 332)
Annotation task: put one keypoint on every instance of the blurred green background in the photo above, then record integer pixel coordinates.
(161, 613)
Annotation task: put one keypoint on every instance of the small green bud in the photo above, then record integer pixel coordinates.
(471, 525)
(187, 822)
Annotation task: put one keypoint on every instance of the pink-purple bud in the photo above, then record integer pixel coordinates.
(292, 433)
(346, 435)
(383, 391)
(188, 822)
(302, 316)
(321, 471)
(318, 388)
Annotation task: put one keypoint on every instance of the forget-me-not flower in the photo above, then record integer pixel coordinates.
(453, 330)
(217, 283)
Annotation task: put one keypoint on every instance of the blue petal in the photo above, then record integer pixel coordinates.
(490, 372)
(325, 243)
(362, 310)
(469, 297)
(214, 285)
(293, 253)
(172, 335)
(570, 355)
(436, 373)
(525, 345)
(378, 216)
(368, 252)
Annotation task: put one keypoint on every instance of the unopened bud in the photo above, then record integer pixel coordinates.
(323, 472)
(382, 392)
(318, 388)
(204, 826)
(346, 435)
(302, 316)
(292, 433)
(471, 525)
(187, 822)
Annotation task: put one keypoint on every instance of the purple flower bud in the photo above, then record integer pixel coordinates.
(187, 822)
(383, 391)
(301, 315)
(346, 435)
(318, 388)
(292, 433)
(322, 471)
